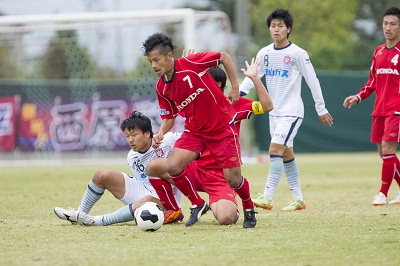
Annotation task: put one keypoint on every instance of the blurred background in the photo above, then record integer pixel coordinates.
(71, 71)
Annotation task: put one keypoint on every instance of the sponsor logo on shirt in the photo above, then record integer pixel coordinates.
(189, 99)
(277, 72)
(387, 71)
(164, 112)
(233, 159)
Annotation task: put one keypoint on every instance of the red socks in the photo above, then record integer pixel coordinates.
(183, 183)
(165, 193)
(243, 192)
(389, 171)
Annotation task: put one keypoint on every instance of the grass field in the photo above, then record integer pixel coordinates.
(339, 227)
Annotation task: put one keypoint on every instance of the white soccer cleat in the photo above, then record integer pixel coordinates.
(380, 200)
(85, 219)
(69, 215)
(396, 200)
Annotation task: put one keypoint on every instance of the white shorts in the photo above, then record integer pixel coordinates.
(283, 129)
(135, 190)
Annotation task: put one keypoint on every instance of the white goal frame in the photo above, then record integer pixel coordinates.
(64, 21)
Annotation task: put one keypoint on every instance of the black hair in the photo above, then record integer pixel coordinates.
(281, 14)
(219, 75)
(137, 120)
(392, 11)
(158, 41)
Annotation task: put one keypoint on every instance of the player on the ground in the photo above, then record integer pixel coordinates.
(130, 190)
(186, 88)
(384, 79)
(284, 64)
(206, 175)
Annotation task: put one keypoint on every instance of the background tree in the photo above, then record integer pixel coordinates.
(66, 59)
(8, 69)
(368, 30)
(322, 28)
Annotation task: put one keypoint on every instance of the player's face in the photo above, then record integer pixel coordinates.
(278, 30)
(161, 64)
(137, 140)
(391, 28)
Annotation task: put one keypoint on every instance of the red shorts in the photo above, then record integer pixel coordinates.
(211, 182)
(385, 128)
(224, 147)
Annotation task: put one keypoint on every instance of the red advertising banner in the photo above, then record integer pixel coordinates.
(8, 110)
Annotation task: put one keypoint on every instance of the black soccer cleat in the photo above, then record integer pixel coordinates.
(196, 213)
(250, 219)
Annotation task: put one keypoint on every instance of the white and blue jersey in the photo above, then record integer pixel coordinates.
(283, 70)
(138, 161)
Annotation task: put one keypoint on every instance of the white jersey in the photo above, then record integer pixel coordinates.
(138, 161)
(283, 70)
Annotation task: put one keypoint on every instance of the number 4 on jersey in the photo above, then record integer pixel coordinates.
(395, 60)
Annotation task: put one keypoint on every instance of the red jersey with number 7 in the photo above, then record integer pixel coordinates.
(384, 79)
(194, 94)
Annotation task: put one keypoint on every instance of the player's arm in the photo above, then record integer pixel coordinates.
(166, 126)
(307, 70)
(227, 62)
(263, 96)
(365, 91)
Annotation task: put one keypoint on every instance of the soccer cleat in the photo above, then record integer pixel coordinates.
(69, 215)
(85, 219)
(396, 200)
(250, 219)
(295, 205)
(171, 216)
(196, 212)
(380, 199)
(262, 202)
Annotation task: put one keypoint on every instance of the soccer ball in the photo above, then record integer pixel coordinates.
(149, 216)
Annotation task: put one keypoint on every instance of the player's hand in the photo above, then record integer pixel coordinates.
(157, 139)
(233, 95)
(350, 101)
(191, 51)
(326, 119)
(251, 70)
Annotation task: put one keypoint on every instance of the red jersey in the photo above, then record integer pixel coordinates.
(194, 94)
(244, 109)
(384, 79)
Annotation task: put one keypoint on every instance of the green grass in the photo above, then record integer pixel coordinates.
(339, 227)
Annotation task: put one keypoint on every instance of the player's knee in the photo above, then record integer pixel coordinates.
(100, 175)
(173, 168)
(227, 218)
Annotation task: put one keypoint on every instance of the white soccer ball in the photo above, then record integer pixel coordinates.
(149, 216)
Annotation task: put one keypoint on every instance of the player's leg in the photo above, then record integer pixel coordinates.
(102, 179)
(229, 159)
(391, 164)
(187, 148)
(389, 168)
(225, 211)
(382, 133)
(135, 193)
(293, 179)
(161, 182)
(222, 196)
(122, 215)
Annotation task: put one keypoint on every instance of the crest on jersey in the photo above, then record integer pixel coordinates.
(159, 152)
(286, 59)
